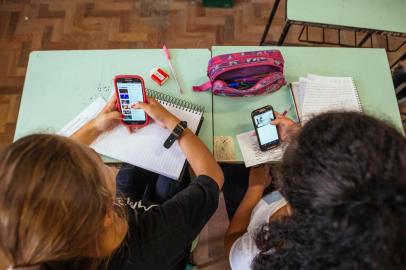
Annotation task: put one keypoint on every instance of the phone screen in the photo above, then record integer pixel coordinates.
(267, 132)
(130, 92)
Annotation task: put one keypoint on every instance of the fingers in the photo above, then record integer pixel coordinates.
(152, 100)
(147, 107)
(278, 118)
(114, 115)
(277, 121)
(111, 104)
(141, 105)
(278, 115)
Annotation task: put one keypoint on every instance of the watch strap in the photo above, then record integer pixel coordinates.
(175, 134)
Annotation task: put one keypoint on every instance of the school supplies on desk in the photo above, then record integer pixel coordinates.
(253, 155)
(158, 75)
(144, 147)
(314, 94)
(168, 57)
(245, 74)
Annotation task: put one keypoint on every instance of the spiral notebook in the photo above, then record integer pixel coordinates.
(144, 148)
(315, 94)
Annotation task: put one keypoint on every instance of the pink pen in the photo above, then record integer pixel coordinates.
(168, 57)
(285, 112)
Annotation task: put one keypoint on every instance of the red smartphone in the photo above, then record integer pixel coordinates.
(267, 134)
(130, 89)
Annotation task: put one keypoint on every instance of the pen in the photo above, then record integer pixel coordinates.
(287, 110)
(240, 84)
(233, 84)
(168, 57)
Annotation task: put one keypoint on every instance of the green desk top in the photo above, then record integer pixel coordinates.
(368, 67)
(383, 15)
(60, 84)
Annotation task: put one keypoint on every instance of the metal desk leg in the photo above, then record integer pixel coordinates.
(271, 16)
(284, 33)
(367, 36)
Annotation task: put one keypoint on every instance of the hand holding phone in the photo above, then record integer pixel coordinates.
(287, 127)
(267, 133)
(109, 117)
(158, 113)
(130, 89)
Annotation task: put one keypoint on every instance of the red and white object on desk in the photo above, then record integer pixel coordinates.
(158, 75)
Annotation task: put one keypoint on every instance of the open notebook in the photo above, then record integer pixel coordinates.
(317, 94)
(143, 148)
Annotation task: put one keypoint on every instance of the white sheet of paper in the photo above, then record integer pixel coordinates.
(82, 118)
(302, 89)
(324, 94)
(251, 153)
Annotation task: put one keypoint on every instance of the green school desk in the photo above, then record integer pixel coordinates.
(366, 15)
(60, 84)
(369, 16)
(368, 67)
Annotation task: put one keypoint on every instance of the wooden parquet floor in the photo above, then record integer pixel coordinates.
(28, 25)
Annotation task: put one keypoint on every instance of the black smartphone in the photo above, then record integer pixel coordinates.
(129, 90)
(267, 134)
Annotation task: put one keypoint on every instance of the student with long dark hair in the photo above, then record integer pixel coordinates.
(343, 191)
(58, 205)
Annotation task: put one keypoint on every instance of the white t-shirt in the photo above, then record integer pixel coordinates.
(244, 249)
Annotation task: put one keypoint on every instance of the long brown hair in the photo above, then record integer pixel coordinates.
(53, 200)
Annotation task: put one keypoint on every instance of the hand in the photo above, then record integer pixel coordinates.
(260, 177)
(109, 117)
(287, 128)
(157, 112)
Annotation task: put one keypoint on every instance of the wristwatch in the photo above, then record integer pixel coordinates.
(176, 133)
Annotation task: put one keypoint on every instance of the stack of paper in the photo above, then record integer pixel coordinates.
(317, 94)
(253, 155)
(312, 95)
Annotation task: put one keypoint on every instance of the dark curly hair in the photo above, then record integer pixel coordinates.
(345, 180)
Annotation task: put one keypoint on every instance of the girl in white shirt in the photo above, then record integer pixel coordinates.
(254, 207)
(343, 205)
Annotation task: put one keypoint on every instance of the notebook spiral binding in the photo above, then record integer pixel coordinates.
(175, 102)
(356, 93)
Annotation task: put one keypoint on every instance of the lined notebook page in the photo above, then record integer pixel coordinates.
(329, 93)
(144, 147)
